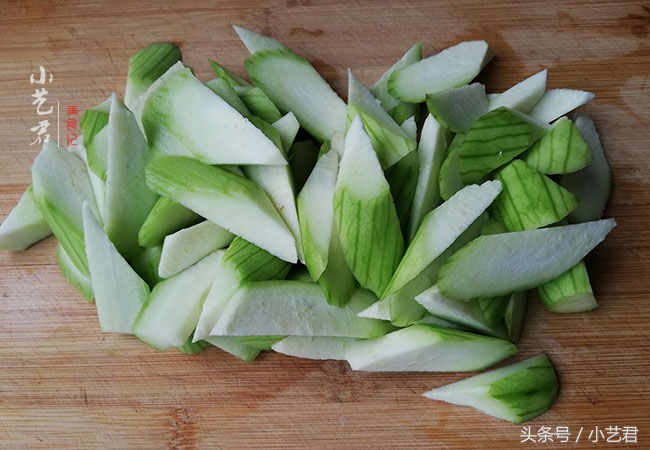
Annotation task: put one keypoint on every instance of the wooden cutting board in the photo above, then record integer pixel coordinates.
(64, 384)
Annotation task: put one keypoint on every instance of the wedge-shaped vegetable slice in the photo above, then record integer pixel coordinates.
(223, 89)
(172, 310)
(516, 393)
(146, 264)
(452, 67)
(530, 199)
(128, 198)
(591, 185)
(571, 292)
(295, 308)
(522, 96)
(119, 291)
(499, 264)
(440, 228)
(561, 150)
(95, 140)
(469, 315)
(78, 279)
(190, 245)
(431, 153)
(458, 108)
(494, 140)
(316, 213)
(430, 349)
(255, 42)
(242, 262)
(293, 84)
(227, 199)
(314, 347)
(389, 140)
(234, 346)
(25, 225)
(182, 115)
(449, 180)
(147, 65)
(400, 111)
(557, 102)
(166, 217)
(61, 185)
(365, 214)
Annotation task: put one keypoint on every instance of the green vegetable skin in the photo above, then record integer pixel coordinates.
(190, 210)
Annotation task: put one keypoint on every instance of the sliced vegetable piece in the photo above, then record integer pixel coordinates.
(440, 228)
(452, 67)
(399, 110)
(314, 347)
(128, 198)
(591, 185)
(258, 103)
(516, 393)
(494, 140)
(295, 308)
(183, 116)
(25, 225)
(402, 178)
(172, 310)
(431, 152)
(223, 89)
(147, 65)
(530, 199)
(522, 96)
(293, 84)
(389, 140)
(515, 314)
(365, 214)
(188, 246)
(119, 291)
(428, 348)
(229, 200)
(499, 264)
(458, 108)
(79, 280)
(557, 102)
(561, 150)
(570, 292)
(255, 42)
(61, 186)
(228, 75)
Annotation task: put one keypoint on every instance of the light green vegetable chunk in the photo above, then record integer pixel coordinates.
(232, 78)
(530, 199)
(183, 116)
(516, 393)
(458, 108)
(452, 67)
(78, 279)
(365, 214)
(293, 84)
(169, 316)
(295, 308)
(499, 264)
(494, 140)
(227, 199)
(522, 96)
(561, 150)
(570, 292)
(25, 225)
(119, 291)
(389, 140)
(428, 348)
(557, 102)
(166, 217)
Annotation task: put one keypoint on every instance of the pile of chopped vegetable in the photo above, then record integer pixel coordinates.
(400, 231)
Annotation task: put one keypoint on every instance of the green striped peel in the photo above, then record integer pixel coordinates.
(494, 140)
(529, 198)
(570, 292)
(561, 150)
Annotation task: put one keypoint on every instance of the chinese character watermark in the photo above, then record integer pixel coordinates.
(611, 434)
(72, 125)
(41, 130)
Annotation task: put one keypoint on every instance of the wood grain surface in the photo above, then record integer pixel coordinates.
(64, 384)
